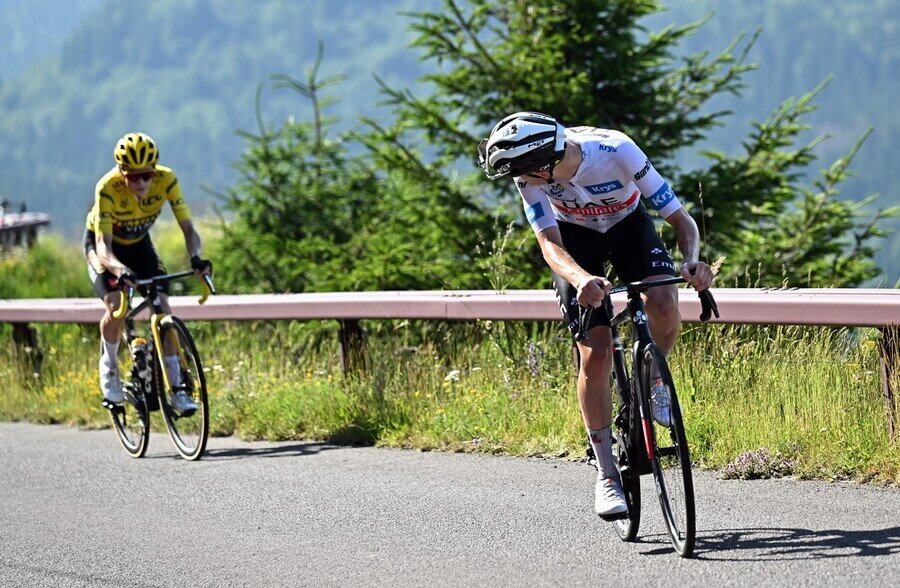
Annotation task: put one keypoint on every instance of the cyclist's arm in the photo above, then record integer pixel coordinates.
(688, 238)
(105, 254)
(192, 240)
(591, 289)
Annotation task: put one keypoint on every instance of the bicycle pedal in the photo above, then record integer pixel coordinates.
(110, 406)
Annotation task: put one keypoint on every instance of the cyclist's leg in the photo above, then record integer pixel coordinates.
(640, 255)
(104, 283)
(594, 367)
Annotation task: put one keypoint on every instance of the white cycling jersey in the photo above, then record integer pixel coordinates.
(613, 174)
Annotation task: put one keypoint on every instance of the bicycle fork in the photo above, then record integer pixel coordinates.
(643, 398)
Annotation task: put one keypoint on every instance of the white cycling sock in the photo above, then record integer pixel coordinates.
(110, 350)
(173, 369)
(601, 442)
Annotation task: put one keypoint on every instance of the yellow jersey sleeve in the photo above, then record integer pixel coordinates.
(176, 200)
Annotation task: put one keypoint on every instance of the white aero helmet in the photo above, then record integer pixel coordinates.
(520, 144)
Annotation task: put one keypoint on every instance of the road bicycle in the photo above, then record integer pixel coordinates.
(148, 384)
(642, 446)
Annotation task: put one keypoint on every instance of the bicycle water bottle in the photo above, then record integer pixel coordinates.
(139, 356)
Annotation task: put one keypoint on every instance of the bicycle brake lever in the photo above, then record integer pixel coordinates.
(208, 288)
(583, 320)
(708, 305)
(124, 303)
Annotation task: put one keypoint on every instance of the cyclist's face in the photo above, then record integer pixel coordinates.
(138, 181)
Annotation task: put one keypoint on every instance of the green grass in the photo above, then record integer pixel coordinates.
(805, 401)
(806, 394)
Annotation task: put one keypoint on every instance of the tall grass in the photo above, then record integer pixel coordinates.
(812, 395)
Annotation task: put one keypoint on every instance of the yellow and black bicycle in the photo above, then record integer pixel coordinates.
(155, 368)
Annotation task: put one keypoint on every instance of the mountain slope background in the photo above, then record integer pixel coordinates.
(187, 73)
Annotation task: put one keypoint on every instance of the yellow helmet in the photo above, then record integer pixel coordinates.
(136, 151)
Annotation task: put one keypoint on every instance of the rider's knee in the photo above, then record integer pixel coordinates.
(664, 305)
(596, 361)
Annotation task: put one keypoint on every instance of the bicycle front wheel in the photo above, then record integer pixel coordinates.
(670, 457)
(187, 429)
(131, 419)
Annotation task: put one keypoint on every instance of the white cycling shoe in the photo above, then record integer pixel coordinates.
(659, 402)
(183, 404)
(609, 500)
(110, 384)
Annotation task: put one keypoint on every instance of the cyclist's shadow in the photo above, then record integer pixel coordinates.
(773, 544)
(298, 449)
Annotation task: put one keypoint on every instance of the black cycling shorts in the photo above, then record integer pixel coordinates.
(140, 258)
(631, 246)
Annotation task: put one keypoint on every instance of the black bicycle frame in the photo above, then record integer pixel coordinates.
(631, 408)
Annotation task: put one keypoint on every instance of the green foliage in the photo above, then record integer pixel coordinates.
(771, 229)
(809, 397)
(50, 269)
(601, 72)
(312, 213)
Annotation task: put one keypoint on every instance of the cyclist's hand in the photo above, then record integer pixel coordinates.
(592, 290)
(698, 274)
(202, 267)
(126, 280)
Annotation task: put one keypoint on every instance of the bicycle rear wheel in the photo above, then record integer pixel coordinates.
(670, 457)
(188, 431)
(131, 419)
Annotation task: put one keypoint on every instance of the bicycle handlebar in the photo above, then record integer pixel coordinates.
(708, 306)
(125, 299)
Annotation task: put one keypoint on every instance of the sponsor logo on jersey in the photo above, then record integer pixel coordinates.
(534, 212)
(149, 201)
(554, 191)
(667, 264)
(605, 187)
(656, 251)
(133, 228)
(606, 148)
(643, 171)
(662, 197)
(599, 209)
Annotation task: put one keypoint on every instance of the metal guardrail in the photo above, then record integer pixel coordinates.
(825, 307)
(836, 307)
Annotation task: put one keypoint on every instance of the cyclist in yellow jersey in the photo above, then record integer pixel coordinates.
(117, 247)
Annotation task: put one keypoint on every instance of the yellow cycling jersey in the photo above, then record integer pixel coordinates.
(117, 212)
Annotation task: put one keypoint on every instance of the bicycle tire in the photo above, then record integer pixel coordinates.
(131, 419)
(627, 528)
(188, 432)
(670, 457)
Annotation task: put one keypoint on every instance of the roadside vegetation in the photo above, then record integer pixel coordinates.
(758, 401)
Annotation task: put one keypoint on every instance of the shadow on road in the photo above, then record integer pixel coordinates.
(299, 449)
(772, 544)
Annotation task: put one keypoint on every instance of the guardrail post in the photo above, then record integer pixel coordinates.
(352, 339)
(889, 344)
(25, 339)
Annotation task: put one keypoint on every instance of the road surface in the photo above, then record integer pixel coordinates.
(77, 511)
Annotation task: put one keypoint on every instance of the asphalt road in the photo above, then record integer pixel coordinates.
(75, 510)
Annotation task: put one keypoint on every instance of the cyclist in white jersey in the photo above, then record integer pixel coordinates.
(581, 188)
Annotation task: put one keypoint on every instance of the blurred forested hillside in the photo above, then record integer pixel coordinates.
(74, 76)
